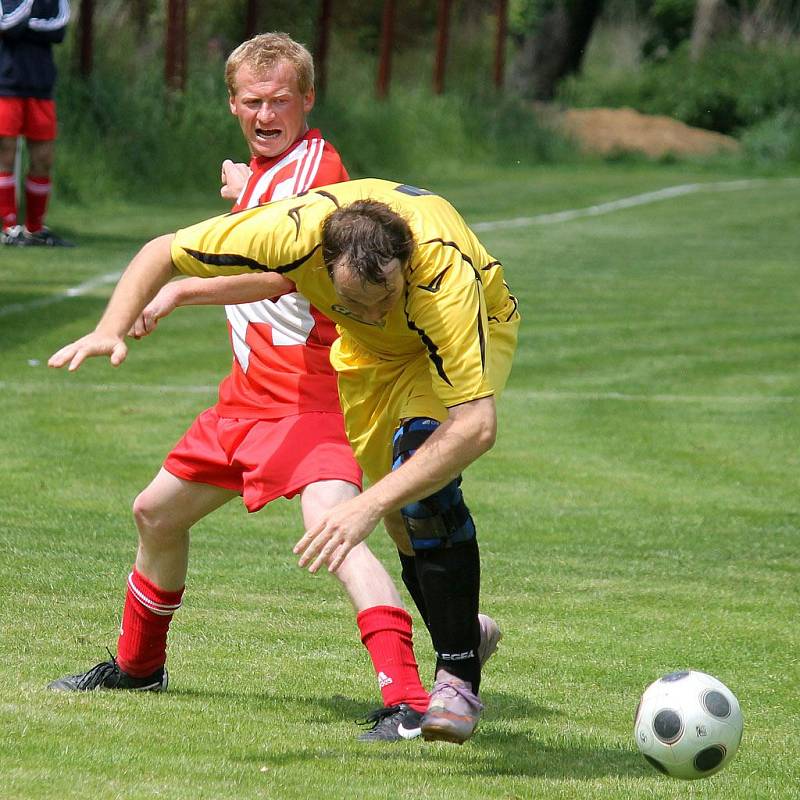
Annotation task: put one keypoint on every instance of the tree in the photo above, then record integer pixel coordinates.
(554, 45)
(707, 16)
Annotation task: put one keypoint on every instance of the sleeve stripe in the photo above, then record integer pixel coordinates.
(236, 260)
(9, 19)
(308, 172)
(52, 23)
(454, 246)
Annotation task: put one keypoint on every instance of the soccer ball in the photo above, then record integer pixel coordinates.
(688, 725)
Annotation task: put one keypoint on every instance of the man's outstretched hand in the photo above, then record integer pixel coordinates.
(89, 346)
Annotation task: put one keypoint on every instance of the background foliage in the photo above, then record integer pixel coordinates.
(122, 134)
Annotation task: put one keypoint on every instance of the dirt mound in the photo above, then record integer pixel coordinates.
(615, 130)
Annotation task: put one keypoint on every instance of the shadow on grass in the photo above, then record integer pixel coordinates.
(19, 307)
(493, 751)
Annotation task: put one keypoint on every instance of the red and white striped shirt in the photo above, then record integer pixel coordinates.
(281, 347)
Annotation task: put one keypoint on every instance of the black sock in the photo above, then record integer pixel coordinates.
(450, 580)
(410, 579)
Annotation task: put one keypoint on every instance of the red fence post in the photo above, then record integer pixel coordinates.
(251, 19)
(385, 58)
(442, 38)
(86, 38)
(500, 44)
(321, 45)
(175, 50)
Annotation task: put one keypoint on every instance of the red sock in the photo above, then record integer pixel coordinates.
(8, 199)
(142, 644)
(37, 193)
(386, 633)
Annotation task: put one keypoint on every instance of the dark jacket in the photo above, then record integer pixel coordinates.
(28, 30)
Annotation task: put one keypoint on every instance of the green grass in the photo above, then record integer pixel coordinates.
(639, 514)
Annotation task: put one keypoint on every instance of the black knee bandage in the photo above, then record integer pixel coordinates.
(442, 519)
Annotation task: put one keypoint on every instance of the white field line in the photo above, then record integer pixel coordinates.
(650, 398)
(74, 291)
(629, 202)
(500, 224)
(34, 387)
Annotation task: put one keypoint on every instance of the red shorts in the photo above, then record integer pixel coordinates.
(262, 459)
(30, 117)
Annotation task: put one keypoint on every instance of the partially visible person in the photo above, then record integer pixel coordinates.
(28, 31)
(277, 429)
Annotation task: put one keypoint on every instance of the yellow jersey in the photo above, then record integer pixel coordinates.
(454, 290)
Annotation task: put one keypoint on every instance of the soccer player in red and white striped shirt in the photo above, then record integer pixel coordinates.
(277, 429)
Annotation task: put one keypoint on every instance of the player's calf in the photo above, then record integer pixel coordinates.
(447, 564)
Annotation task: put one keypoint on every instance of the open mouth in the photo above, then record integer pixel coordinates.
(267, 134)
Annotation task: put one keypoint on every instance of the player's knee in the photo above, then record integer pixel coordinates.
(442, 519)
(151, 520)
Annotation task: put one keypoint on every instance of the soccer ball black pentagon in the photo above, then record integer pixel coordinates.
(688, 725)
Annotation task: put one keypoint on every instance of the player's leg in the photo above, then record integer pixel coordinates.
(8, 183)
(490, 635)
(385, 626)
(164, 512)
(38, 184)
(40, 132)
(447, 563)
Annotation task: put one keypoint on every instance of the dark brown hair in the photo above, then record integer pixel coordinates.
(366, 235)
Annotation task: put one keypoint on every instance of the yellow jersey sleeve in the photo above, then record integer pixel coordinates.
(259, 239)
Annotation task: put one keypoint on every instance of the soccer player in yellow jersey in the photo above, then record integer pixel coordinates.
(428, 330)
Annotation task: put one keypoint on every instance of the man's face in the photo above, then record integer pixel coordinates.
(370, 303)
(270, 108)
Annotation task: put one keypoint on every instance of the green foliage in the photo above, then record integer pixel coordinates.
(671, 24)
(774, 140)
(143, 140)
(731, 88)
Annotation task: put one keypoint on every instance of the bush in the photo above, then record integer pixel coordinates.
(774, 140)
(731, 88)
(140, 141)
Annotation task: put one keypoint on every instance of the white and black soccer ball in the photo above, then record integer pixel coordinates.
(688, 725)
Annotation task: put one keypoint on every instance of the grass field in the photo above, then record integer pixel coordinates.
(640, 513)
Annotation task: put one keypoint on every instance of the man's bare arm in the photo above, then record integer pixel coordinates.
(467, 434)
(223, 290)
(149, 270)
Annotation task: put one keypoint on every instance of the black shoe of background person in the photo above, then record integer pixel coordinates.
(45, 238)
(13, 236)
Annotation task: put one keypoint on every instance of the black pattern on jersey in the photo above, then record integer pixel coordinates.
(491, 265)
(481, 338)
(329, 196)
(436, 283)
(454, 246)
(514, 307)
(294, 215)
(236, 260)
(433, 350)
